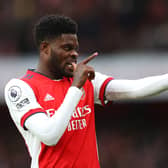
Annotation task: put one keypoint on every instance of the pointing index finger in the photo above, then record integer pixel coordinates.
(85, 61)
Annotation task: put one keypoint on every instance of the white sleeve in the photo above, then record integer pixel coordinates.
(54, 127)
(20, 99)
(99, 83)
(132, 89)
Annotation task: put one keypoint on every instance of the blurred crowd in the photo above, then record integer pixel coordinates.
(104, 25)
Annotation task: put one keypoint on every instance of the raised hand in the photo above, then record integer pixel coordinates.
(82, 71)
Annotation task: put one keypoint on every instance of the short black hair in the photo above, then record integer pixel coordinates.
(51, 26)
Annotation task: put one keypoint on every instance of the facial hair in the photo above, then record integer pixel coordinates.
(55, 67)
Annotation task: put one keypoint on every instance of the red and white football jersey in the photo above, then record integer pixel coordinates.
(36, 93)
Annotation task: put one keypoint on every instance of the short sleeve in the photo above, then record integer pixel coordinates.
(99, 83)
(21, 101)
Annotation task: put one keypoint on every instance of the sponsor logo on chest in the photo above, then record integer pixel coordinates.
(78, 120)
(79, 117)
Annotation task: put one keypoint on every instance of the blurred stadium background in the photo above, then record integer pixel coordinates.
(131, 37)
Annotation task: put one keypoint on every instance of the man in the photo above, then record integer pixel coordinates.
(53, 105)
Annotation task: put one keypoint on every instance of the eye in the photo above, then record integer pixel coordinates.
(68, 47)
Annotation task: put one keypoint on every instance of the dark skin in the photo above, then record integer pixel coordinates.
(58, 58)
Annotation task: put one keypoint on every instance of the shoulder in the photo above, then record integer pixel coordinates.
(16, 83)
(15, 89)
(101, 79)
(99, 83)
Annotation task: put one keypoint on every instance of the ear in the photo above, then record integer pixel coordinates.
(45, 48)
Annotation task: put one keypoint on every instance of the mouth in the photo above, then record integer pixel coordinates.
(71, 66)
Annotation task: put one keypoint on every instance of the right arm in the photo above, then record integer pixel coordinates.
(54, 127)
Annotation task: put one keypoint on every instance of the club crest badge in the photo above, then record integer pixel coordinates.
(14, 93)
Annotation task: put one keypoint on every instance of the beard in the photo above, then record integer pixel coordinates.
(56, 69)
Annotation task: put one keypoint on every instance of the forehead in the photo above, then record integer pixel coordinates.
(67, 38)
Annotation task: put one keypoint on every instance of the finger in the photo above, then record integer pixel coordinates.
(85, 61)
(74, 66)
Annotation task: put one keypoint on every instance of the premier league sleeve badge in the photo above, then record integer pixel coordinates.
(14, 93)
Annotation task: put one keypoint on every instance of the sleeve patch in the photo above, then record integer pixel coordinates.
(14, 93)
(22, 103)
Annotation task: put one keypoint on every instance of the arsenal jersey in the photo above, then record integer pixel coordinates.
(77, 146)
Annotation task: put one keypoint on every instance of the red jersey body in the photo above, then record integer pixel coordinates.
(77, 147)
(35, 93)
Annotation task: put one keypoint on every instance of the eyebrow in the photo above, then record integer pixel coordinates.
(71, 45)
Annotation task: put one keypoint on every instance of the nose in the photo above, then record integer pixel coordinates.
(74, 54)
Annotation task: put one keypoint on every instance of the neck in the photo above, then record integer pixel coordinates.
(47, 72)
